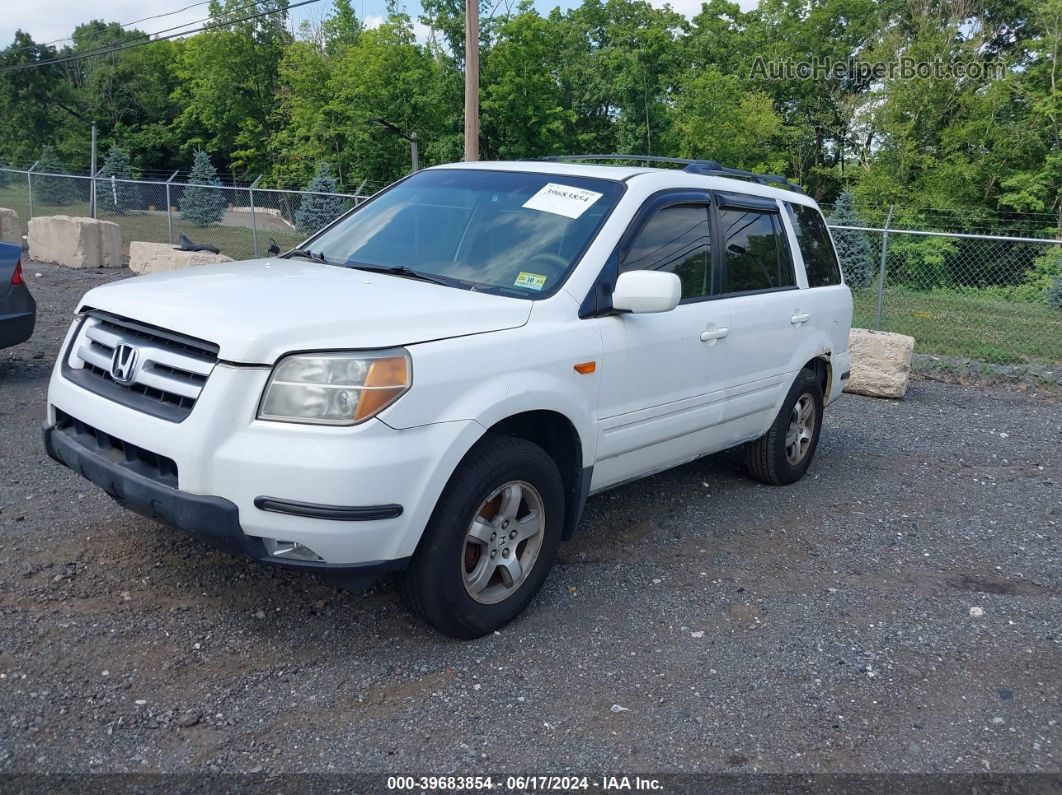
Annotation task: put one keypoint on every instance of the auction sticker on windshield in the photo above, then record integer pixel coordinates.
(562, 200)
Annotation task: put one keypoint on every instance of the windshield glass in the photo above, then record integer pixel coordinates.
(501, 231)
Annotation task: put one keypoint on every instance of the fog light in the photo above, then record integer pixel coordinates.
(290, 550)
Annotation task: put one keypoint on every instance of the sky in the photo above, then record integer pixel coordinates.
(54, 20)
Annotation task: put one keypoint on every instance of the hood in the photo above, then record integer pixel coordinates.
(258, 310)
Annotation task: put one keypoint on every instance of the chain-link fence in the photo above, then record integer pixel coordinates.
(990, 297)
(242, 222)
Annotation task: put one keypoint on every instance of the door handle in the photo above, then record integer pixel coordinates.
(714, 334)
(800, 317)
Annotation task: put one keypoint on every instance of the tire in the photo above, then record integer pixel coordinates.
(769, 459)
(454, 582)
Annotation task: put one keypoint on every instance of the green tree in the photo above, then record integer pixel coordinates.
(853, 248)
(317, 210)
(31, 99)
(203, 203)
(228, 81)
(113, 193)
(719, 117)
(522, 114)
(51, 187)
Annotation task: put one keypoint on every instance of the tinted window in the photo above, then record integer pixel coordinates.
(678, 240)
(513, 232)
(820, 260)
(756, 255)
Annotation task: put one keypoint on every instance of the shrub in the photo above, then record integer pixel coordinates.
(853, 248)
(202, 205)
(1054, 294)
(5, 179)
(114, 196)
(316, 210)
(52, 189)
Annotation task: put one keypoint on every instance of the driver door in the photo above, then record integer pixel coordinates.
(664, 374)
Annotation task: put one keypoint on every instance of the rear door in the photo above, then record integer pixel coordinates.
(768, 313)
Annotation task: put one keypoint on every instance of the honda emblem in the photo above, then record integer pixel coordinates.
(123, 363)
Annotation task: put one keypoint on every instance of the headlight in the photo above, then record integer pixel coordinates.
(335, 388)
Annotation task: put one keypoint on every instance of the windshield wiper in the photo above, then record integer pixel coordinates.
(402, 270)
(305, 253)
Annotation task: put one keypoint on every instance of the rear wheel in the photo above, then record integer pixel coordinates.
(783, 454)
(491, 540)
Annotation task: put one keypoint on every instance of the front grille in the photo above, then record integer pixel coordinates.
(136, 459)
(166, 378)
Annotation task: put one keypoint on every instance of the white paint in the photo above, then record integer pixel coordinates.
(669, 386)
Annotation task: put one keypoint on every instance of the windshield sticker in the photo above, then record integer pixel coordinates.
(532, 281)
(562, 200)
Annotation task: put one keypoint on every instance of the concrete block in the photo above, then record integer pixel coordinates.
(9, 228)
(881, 363)
(158, 257)
(75, 242)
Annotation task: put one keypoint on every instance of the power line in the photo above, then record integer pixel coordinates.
(128, 45)
(144, 38)
(123, 25)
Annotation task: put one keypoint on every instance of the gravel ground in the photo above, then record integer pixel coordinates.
(697, 621)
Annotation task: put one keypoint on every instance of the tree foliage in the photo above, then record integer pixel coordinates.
(602, 76)
(112, 193)
(50, 186)
(202, 203)
(853, 248)
(317, 209)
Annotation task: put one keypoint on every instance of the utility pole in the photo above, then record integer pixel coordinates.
(471, 79)
(92, 171)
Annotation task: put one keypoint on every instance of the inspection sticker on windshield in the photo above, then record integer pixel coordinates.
(562, 200)
(532, 281)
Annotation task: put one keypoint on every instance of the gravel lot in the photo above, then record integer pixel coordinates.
(697, 621)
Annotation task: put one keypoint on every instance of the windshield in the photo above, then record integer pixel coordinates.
(499, 231)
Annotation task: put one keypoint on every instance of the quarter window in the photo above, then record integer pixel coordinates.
(677, 240)
(820, 260)
(756, 255)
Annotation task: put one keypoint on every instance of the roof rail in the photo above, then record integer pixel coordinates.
(709, 168)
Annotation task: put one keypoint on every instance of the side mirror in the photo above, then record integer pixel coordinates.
(646, 291)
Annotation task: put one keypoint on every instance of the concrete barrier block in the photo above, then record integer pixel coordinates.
(9, 228)
(157, 257)
(75, 242)
(881, 363)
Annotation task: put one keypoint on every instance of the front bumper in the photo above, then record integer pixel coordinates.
(211, 519)
(353, 495)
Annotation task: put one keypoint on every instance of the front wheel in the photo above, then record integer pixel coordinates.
(783, 454)
(491, 540)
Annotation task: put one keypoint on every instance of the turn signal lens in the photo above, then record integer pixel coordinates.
(335, 388)
(385, 383)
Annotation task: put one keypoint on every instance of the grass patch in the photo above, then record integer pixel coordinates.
(952, 323)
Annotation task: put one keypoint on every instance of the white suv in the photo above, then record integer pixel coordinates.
(436, 382)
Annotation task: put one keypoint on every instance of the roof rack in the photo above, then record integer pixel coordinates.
(709, 168)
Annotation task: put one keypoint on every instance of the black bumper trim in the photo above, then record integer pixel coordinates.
(342, 513)
(211, 519)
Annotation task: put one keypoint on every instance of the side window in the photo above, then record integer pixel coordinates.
(755, 252)
(820, 260)
(677, 239)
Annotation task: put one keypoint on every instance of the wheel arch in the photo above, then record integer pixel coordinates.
(822, 367)
(557, 435)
